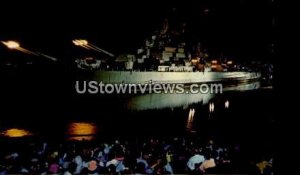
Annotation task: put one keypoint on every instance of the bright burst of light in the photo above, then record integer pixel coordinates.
(11, 44)
(80, 42)
(85, 44)
(15, 45)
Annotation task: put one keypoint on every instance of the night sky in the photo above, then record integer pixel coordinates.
(236, 28)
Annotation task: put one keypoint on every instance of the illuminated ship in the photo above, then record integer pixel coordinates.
(166, 58)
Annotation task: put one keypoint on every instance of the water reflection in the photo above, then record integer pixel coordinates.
(80, 131)
(211, 107)
(190, 120)
(226, 104)
(161, 101)
(243, 86)
(15, 132)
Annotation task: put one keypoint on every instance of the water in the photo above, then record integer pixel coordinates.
(156, 114)
(15, 133)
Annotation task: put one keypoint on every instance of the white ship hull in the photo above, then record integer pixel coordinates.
(172, 77)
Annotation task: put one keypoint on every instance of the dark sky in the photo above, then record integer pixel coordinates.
(239, 28)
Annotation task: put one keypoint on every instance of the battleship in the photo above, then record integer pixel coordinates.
(166, 57)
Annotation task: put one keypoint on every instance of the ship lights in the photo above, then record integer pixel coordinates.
(214, 61)
(229, 62)
(194, 60)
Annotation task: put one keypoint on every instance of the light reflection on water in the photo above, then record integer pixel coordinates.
(15, 133)
(190, 120)
(161, 101)
(80, 131)
(227, 104)
(211, 107)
